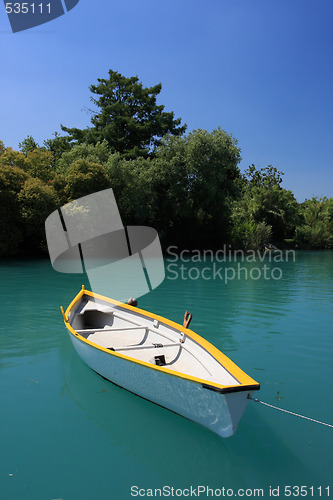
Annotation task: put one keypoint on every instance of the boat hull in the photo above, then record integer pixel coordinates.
(219, 412)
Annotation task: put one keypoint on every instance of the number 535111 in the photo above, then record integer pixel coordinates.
(26, 8)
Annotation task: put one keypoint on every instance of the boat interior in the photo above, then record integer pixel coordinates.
(143, 338)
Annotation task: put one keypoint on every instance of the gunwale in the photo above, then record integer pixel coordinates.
(246, 383)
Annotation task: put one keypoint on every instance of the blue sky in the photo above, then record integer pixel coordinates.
(260, 69)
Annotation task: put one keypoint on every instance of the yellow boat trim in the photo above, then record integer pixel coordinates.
(243, 379)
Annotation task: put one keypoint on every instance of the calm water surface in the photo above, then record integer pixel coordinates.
(68, 434)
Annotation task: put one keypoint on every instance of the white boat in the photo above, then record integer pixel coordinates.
(159, 360)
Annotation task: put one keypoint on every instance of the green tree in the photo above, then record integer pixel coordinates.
(36, 201)
(250, 235)
(205, 171)
(93, 153)
(38, 163)
(35, 161)
(265, 177)
(2, 148)
(128, 117)
(184, 190)
(28, 144)
(57, 146)
(12, 180)
(316, 229)
(12, 158)
(85, 178)
(130, 183)
(264, 209)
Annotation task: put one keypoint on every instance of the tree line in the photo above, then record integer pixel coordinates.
(188, 186)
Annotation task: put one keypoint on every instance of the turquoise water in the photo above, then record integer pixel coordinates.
(68, 434)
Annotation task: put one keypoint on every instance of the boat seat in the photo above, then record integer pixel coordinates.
(115, 338)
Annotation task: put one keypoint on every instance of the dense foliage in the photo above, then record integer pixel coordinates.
(188, 187)
(265, 211)
(191, 191)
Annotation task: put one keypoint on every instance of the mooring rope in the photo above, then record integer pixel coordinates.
(290, 412)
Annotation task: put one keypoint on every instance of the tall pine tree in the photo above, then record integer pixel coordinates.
(128, 117)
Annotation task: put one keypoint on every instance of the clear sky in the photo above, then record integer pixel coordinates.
(260, 69)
